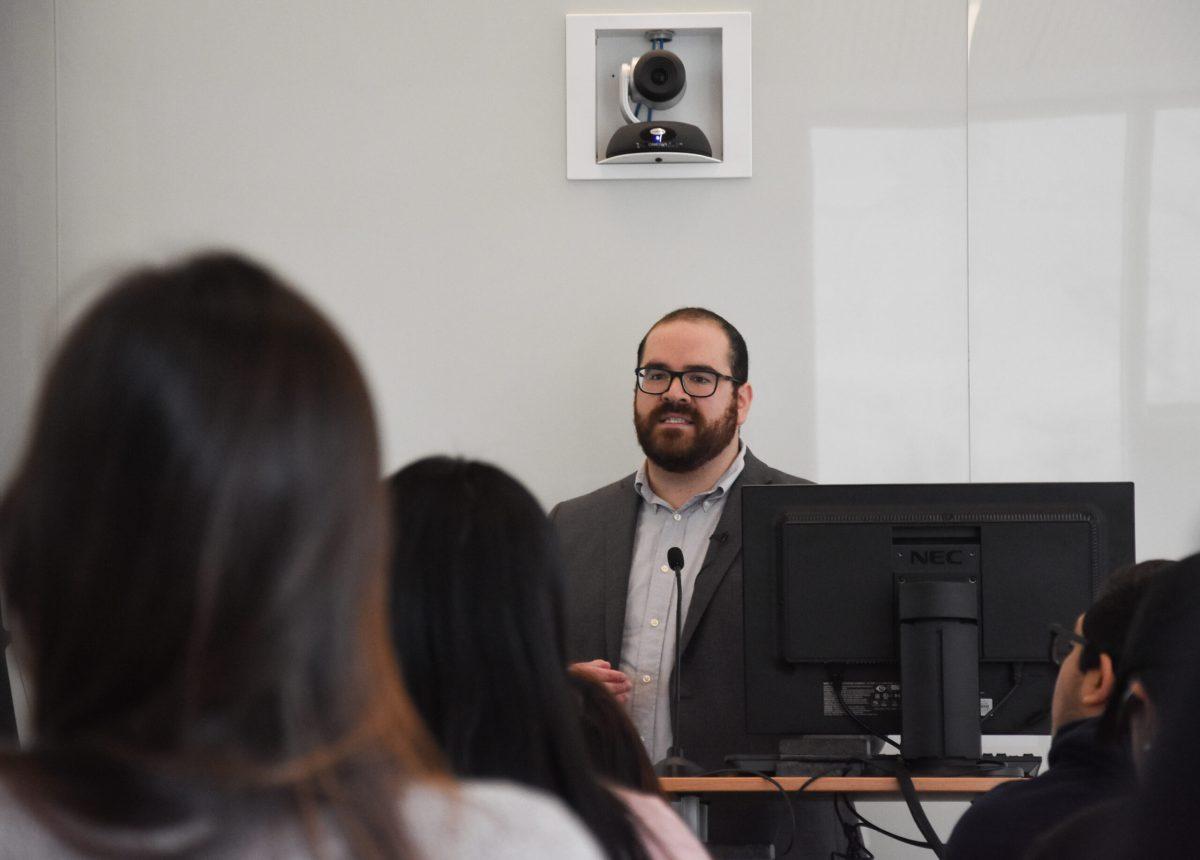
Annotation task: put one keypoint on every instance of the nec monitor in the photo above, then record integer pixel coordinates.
(927, 602)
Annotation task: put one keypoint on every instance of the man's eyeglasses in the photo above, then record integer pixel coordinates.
(696, 383)
(1062, 641)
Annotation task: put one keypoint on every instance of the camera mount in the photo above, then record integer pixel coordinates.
(656, 80)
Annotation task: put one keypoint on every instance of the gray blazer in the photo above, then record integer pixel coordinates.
(596, 533)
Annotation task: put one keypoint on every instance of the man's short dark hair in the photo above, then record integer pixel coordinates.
(1106, 624)
(739, 357)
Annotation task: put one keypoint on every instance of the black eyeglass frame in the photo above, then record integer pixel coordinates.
(640, 372)
(1059, 632)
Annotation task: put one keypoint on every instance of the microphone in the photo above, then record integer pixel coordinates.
(675, 764)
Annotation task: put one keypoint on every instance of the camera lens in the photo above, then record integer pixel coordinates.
(659, 79)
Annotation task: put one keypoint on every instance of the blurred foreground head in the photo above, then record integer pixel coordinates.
(192, 549)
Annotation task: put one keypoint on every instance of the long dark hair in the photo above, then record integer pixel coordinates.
(614, 748)
(478, 624)
(194, 552)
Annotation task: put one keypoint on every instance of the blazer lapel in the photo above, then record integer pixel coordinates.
(724, 547)
(618, 559)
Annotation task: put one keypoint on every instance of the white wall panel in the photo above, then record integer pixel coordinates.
(1084, 166)
(890, 304)
(1046, 286)
(1172, 313)
(28, 258)
(871, 112)
(1164, 390)
(28, 261)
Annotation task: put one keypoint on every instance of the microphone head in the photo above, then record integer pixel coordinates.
(675, 558)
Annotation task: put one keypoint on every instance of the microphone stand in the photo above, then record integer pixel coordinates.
(676, 764)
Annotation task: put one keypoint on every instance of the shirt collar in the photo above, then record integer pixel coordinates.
(1082, 744)
(641, 484)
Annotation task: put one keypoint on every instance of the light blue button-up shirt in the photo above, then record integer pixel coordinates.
(648, 641)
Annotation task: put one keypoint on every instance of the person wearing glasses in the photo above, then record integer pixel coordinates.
(1086, 766)
(691, 396)
(1152, 713)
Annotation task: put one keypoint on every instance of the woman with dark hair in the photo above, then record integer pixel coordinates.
(478, 623)
(193, 555)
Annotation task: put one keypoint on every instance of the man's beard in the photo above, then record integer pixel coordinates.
(672, 450)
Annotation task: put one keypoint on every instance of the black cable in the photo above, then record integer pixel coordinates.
(902, 775)
(856, 849)
(917, 811)
(835, 681)
(863, 822)
(1018, 673)
(907, 789)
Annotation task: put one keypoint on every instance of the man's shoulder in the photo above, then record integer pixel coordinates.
(621, 493)
(758, 472)
(608, 496)
(1016, 813)
(988, 827)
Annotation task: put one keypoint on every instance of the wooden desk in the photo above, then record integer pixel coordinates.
(863, 787)
(690, 791)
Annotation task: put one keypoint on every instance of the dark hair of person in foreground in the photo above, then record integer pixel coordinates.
(1162, 656)
(1168, 802)
(193, 553)
(1107, 622)
(614, 748)
(478, 625)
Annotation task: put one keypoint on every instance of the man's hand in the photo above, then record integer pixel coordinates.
(601, 671)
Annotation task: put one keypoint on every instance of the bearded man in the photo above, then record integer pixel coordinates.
(692, 396)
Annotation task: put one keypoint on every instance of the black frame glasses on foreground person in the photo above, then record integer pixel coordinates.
(696, 383)
(1062, 641)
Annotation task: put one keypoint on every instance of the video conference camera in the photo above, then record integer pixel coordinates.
(657, 80)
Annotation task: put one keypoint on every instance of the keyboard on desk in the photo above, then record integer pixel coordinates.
(992, 764)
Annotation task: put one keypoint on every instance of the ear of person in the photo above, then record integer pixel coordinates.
(1098, 683)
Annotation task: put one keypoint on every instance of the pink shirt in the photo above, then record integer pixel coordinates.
(663, 833)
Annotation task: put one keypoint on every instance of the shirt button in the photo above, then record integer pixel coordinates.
(678, 517)
(653, 622)
(665, 569)
(645, 679)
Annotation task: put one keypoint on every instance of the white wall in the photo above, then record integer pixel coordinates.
(1084, 169)
(28, 259)
(946, 270)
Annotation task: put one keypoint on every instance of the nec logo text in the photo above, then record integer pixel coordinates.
(936, 556)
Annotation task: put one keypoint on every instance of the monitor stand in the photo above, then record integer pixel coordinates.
(938, 623)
